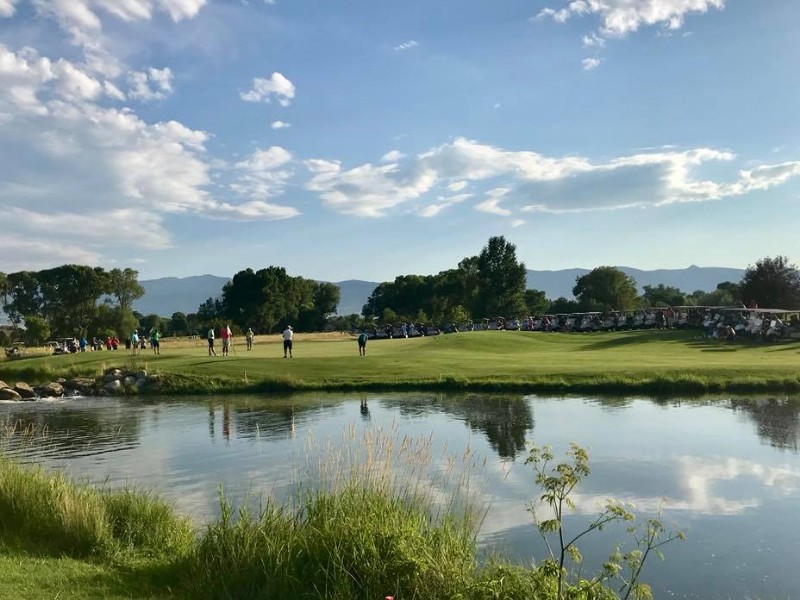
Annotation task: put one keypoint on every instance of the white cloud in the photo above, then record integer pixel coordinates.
(533, 182)
(106, 166)
(618, 18)
(7, 8)
(154, 84)
(263, 175)
(280, 125)
(593, 41)
(492, 204)
(264, 90)
(392, 156)
(432, 210)
(590, 63)
(406, 45)
(517, 222)
(368, 190)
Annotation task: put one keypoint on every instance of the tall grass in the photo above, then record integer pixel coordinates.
(49, 512)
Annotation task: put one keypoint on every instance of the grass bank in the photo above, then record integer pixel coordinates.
(651, 362)
(359, 540)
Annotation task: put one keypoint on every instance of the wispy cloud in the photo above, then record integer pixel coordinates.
(590, 63)
(406, 45)
(280, 125)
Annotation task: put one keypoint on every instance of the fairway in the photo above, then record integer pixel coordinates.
(487, 358)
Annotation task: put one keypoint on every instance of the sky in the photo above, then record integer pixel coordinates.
(354, 139)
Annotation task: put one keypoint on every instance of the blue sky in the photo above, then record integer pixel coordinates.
(354, 139)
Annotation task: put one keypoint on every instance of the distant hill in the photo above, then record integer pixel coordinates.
(560, 283)
(171, 294)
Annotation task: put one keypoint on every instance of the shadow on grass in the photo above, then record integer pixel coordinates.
(88, 578)
(636, 338)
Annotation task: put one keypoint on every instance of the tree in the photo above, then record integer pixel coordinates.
(563, 306)
(772, 283)
(606, 288)
(535, 302)
(662, 295)
(151, 322)
(37, 330)
(501, 279)
(125, 287)
(70, 294)
(179, 324)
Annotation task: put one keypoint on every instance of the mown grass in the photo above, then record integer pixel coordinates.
(650, 362)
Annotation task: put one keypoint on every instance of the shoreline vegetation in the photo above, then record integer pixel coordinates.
(365, 530)
(647, 362)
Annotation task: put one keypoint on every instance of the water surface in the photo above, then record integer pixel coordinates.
(724, 470)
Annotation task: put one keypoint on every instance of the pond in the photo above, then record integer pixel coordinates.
(723, 470)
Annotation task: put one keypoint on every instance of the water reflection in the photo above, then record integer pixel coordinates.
(777, 420)
(505, 420)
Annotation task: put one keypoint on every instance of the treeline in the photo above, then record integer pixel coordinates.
(71, 301)
(494, 284)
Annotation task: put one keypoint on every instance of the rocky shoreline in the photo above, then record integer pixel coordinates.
(112, 382)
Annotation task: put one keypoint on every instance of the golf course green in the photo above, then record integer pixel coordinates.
(633, 361)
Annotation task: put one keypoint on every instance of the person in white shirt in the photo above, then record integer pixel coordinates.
(288, 334)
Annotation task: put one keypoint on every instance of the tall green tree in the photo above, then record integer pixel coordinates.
(71, 294)
(772, 283)
(663, 295)
(501, 279)
(179, 324)
(535, 302)
(606, 288)
(37, 330)
(124, 286)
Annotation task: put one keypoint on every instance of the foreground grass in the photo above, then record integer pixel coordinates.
(362, 540)
(643, 361)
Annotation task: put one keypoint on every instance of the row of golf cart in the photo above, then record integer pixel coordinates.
(714, 321)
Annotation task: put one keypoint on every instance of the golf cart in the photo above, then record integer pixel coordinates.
(15, 350)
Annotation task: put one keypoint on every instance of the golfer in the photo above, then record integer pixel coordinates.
(211, 351)
(249, 337)
(288, 335)
(362, 344)
(226, 335)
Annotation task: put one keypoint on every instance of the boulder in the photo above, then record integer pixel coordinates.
(113, 387)
(24, 390)
(51, 390)
(82, 385)
(140, 374)
(3, 384)
(7, 393)
(129, 381)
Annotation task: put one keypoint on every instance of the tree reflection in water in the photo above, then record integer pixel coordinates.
(777, 420)
(505, 420)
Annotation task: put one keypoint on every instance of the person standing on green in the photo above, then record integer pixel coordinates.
(362, 344)
(155, 340)
(249, 338)
(211, 351)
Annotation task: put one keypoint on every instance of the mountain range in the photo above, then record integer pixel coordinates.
(171, 294)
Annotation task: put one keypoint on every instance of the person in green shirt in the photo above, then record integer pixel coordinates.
(155, 340)
(362, 344)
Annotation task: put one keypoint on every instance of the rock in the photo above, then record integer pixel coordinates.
(84, 386)
(140, 374)
(129, 381)
(51, 390)
(60, 381)
(24, 390)
(114, 386)
(141, 382)
(7, 393)
(3, 384)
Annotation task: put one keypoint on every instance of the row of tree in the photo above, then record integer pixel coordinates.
(70, 300)
(494, 284)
